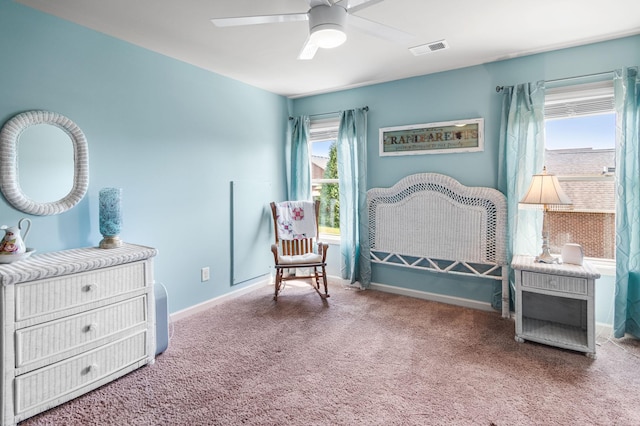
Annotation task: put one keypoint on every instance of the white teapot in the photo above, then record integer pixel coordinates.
(13, 241)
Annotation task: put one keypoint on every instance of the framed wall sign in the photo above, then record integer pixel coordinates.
(433, 138)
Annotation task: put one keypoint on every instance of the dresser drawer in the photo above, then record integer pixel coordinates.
(44, 386)
(54, 340)
(554, 282)
(57, 294)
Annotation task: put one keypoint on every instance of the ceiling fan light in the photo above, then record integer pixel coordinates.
(328, 36)
(327, 25)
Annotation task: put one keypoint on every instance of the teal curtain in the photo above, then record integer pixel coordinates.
(298, 160)
(627, 296)
(521, 156)
(352, 178)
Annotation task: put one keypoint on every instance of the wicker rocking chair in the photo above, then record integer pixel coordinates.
(295, 250)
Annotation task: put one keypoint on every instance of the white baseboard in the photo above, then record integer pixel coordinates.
(603, 330)
(434, 297)
(203, 306)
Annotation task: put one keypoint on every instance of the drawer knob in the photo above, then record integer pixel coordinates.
(91, 327)
(92, 368)
(91, 287)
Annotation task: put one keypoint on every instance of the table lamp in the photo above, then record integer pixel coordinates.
(545, 192)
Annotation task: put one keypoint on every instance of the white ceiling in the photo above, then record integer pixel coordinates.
(477, 31)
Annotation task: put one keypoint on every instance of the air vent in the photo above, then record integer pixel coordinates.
(429, 47)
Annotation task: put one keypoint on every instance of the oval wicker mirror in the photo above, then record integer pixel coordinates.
(9, 177)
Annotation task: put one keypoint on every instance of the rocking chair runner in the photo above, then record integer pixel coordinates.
(294, 249)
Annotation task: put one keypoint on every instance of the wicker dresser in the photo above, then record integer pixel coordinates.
(72, 321)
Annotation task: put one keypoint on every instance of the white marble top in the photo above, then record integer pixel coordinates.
(528, 263)
(53, 264)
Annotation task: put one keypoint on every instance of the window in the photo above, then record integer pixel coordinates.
(580, 151)
(324, 174)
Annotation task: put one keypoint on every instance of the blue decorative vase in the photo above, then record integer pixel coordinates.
(110, 217)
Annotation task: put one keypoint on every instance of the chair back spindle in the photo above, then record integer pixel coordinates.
(295, 247)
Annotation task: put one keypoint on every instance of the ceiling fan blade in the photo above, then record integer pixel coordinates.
(378, 30)
(357, 5)
(308, 50)
(313, 3)
(255, 20)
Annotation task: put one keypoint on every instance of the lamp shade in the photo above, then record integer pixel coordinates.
(545, 190)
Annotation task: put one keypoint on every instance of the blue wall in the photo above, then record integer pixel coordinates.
(464, 93)
(172, 135)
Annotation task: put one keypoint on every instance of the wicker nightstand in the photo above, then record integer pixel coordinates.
(555, 304)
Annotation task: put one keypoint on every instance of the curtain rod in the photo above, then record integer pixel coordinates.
(366, 108)
(597, 74)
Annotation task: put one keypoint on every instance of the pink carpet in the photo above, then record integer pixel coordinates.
(361, 358)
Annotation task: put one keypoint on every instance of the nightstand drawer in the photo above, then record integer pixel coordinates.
(554, 282)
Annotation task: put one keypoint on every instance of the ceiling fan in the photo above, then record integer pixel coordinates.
(328, 21)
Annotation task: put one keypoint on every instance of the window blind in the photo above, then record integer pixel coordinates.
(324, 129)
(579, 100)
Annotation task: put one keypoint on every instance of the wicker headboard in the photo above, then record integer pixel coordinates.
(431, 221)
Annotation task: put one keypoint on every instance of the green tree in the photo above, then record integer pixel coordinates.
(329, 195)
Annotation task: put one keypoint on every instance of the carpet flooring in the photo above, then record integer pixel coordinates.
(361, 358)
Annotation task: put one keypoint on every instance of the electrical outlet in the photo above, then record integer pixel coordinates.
(204, 274)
